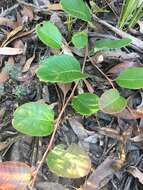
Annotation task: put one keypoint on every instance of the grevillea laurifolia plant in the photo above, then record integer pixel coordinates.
(38, 119)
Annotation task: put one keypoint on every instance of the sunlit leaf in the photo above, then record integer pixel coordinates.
(14, 175)
(80, 39)
(86, 103)
(60, 68)
(111, 102)
(35, 119)
(70, 163)
(76, 8)
(105, 44)
(49, 34)
(131, 78)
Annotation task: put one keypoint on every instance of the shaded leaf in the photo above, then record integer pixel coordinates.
(70, 163)
(86, 103)
(80, 39)
(105, 44)
(60, 68)
(111, 102)
(49, 34)
(14, 175)
(35, 119)
(76, 8)
(131, 78)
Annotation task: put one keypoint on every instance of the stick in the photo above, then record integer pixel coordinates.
(135, 41)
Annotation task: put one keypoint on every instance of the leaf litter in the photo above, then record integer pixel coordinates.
(18, 23)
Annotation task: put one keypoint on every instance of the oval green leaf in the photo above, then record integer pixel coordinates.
(111, 102)
(105, 44)
(76, 8)
(71, 163)
(131, 78)
(34, 119)
(49, 34)
(80, 39)
(60, 68)
(86, 103)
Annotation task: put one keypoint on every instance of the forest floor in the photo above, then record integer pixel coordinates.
(19, 84)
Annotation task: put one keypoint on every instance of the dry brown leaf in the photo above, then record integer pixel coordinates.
(138, 138)
(33, 69)
(64, 88)
(50, 186)
(23, 34)
(54, 7)
(120, 67)
(10, 51)
(14, 175)
(141, 26)
(136, 173)
(3, 76)
(7, 22)
(78, 129)
(126, 114)
(10, 60)
(102, 174)
(89, 86)
(12, 34)
(28, 63)
(28, 12)
(19, 44)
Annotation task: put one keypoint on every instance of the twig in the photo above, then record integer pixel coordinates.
(135, 41)
(7, 11)
(57, 124)
(108, 79)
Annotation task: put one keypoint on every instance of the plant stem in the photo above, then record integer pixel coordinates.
(108, 79)
(58, 120)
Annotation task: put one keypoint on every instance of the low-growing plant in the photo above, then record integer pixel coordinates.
(37, 119)
(132, 11)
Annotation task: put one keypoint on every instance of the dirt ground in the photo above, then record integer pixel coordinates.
(19, 84)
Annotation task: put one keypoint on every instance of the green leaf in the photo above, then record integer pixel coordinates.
(128, 8)
(70, 163)
(86, 103)
(111, 102)
(60, 68)
(35, 119)
(105, 44)
(131, 78)
(49, 34)
(76, 8)
(80, 39)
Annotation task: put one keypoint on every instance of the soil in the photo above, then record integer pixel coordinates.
(22, 87)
